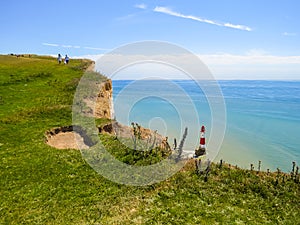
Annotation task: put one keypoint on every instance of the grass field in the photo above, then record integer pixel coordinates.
(42, 185)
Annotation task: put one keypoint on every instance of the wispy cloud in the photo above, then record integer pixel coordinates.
(237, 26)
(67, 46)
(60, 45)
(75, 46)
(141, 6)
(289, 34)
(170, 12)
(50, 44)
(132, 15)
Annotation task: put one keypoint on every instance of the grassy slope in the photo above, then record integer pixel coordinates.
(42, 185)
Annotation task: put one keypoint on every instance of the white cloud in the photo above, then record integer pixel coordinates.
(91, 57)
(49, 44)
(254, 64)
(249, 59)
(60, 45)
(141, 6)
(75, 46)
(239, 27)
(67, 46)
(170, 12)
(225, 59)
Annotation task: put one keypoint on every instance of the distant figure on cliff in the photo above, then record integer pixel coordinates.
(59, 58)
(66, 59)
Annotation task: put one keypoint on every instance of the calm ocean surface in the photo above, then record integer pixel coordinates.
(263, 117)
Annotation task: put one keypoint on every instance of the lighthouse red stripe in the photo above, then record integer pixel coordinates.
(202, 141)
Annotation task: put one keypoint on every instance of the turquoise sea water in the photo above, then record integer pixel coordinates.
(262, 117)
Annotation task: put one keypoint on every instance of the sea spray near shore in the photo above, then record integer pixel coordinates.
(263, 120)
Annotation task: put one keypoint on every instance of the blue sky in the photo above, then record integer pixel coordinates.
(237, 39)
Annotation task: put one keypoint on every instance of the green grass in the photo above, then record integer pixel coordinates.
(131, 156)
(43, 185)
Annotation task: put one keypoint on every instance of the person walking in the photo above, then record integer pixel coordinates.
(66, 59)
(59, 58)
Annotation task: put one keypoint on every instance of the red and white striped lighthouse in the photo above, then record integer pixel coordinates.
(202, 137)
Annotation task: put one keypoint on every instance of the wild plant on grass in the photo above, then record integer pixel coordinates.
(259, 165)
(221, 163)
(278, 176)
(175, 144)
(293, 170)
(136, 134)
(297, 177)
(180, 148)
(207, 170)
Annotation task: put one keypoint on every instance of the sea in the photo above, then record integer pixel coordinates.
(246, 121)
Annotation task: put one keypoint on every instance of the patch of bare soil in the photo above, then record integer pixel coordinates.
(67, 138)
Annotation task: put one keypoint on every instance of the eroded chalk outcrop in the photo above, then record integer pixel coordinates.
(98, 103)
(145, 135)
(101, 104)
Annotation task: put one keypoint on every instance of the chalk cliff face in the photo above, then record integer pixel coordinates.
(99, 105)
(104, 101)
(104, 109)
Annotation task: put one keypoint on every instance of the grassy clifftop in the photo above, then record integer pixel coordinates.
(43, 185)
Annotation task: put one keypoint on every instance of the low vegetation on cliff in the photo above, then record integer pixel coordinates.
(43, 185)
